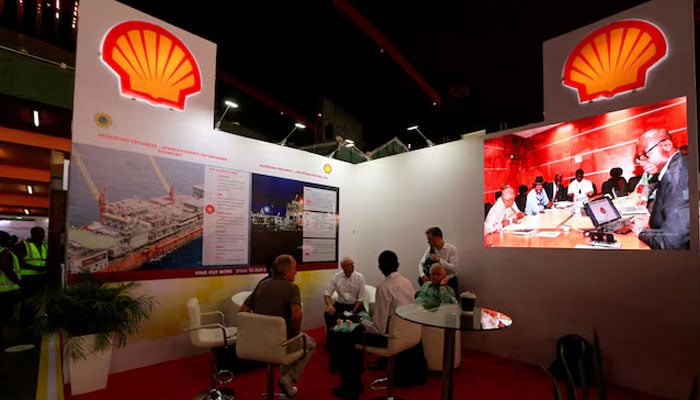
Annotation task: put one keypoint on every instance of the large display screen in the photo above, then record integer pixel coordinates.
(537, 181)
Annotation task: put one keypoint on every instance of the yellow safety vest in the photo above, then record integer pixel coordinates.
(6, 285)
(36, 257)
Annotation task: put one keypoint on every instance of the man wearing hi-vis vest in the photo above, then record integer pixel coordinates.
(32, 254)
(10, 283)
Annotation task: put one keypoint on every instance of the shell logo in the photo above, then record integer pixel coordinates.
(102, 120)
(614, 59)
(152, 64)
(327, 168)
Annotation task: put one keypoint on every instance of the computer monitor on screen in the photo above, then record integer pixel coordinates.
(602, 211)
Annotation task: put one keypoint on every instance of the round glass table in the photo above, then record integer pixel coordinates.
(451, 318)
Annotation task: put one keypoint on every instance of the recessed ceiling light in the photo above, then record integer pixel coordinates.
(30, 189)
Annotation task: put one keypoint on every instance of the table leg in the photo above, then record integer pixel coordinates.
(448, 362)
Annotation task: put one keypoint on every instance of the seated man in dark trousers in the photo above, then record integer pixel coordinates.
(394, 291)
(350, 286)
(280, 296)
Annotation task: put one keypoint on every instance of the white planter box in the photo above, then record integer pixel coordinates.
(91, 373)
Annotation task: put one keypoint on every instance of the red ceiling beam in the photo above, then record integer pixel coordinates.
(371, 31)
(26, 174)
(223, 76)
(34, 139)
(24, 200)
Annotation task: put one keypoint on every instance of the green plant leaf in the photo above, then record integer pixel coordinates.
(582, 372)
(88, 306)
(570, 385)
(555, 386)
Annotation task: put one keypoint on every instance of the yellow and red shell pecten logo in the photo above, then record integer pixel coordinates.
(152, 64)
(614, 59)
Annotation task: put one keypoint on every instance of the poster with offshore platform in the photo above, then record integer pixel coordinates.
(156, 192)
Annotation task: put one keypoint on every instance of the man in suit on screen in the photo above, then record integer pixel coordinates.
(668, 227)
(555, 190)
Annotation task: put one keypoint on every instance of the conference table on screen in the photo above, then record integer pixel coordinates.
(555, 228)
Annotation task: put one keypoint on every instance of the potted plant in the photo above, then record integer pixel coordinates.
(92, 317)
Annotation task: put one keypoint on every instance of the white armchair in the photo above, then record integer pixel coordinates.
(237, 301)
(264, 338)
(402, 335)
(370, 295)
(432, 339)
(211, 336)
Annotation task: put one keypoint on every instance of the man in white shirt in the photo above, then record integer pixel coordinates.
(503, 213)
(580, 189)
(439, 251)
(537, 200)
(394, 291)
(350, 286)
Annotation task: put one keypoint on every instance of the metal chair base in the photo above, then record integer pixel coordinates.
(216, 394)
(282, 396)
(374, 385)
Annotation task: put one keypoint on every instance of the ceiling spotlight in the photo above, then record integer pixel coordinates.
(229, 104)
(26, 211)
(297, 125)
(36, 118)
(415, 128)
(347, 143)
(30, 189)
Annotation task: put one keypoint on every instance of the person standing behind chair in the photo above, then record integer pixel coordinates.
(555, 190)
(279, 296)
(394, 291)
(350, 286)
(440, 251)
(432, 293)
(668, 227)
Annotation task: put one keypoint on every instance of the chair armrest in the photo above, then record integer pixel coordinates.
(209, 326)
(294, 339)
(216, 312)
(364, 336)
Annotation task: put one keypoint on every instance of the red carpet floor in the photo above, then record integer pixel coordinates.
(480, 376)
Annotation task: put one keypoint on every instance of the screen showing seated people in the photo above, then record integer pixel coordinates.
(539, 181)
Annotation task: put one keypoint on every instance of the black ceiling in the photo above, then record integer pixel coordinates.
(482, 59)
